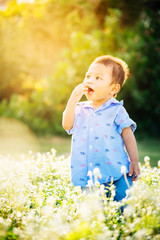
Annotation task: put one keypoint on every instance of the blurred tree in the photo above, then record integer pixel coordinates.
(46, 48)
(131, 12)
(33, 35)
(147, 72)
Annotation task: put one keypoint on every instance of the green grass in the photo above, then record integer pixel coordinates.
(149, 147)
(61, 144)
(146, 147)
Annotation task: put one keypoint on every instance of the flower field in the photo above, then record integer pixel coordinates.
(38, 201)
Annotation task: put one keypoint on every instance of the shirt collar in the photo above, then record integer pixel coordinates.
(87, 104)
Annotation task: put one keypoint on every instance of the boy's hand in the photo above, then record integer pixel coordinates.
(134, 171)
(78, 92)
(69, 113)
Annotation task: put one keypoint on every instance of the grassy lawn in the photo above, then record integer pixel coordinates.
(61, 144)
(151, 148)
(146, 147)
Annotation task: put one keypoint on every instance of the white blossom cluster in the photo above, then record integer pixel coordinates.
(38, 201)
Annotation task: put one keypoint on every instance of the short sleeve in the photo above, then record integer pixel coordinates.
(123, 120)
(75, 121)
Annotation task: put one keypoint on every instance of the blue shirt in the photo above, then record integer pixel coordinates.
(97, 141)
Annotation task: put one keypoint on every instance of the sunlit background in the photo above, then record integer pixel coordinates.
(46, 47)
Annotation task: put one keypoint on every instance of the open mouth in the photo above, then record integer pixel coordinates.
(90, 91)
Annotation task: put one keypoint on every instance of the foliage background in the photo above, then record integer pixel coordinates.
(47, 46)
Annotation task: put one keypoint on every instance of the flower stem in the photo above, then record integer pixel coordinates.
(125, 177)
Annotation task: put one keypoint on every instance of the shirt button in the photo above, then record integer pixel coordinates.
(91, 129)
(90, 146)
(90, 164)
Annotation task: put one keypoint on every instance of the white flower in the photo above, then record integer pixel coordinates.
(128, 191)
(129, 211)
(90, 183)
(113, 193)
(140, 234)
(149, 210)
(53, 151)
(85, 211)
(159, 163)
(146, 159)
(8, 221)
(89, 174)
(19, 214)
(38, 154)
(123, 169)
(97, 184)
(22, 157)
(102, 187)
(97, 173)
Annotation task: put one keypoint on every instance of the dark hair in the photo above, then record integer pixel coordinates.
(120, 70)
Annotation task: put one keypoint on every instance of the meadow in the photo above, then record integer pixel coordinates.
(38, 201)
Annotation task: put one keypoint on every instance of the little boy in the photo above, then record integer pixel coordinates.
(101, 127)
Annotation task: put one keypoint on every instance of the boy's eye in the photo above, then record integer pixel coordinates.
(98, 78)
(87, 76)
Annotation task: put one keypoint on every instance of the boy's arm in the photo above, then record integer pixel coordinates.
(131, 147)
(69, 113)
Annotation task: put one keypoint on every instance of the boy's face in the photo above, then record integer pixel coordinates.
(98, 80)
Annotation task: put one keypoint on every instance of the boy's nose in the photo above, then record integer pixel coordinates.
(88, 80)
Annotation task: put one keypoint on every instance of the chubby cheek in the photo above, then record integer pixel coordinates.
(101, 91)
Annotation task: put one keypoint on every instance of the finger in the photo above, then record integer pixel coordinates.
(85, 89)
(137, 172)
(130, 171)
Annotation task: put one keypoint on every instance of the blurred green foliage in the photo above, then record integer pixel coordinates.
(47, 46)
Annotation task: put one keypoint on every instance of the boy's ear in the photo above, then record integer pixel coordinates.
(116, 88)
